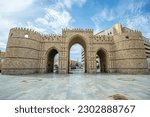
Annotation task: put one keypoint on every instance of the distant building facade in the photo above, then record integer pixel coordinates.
(73, 63)
(147, 50)
(120, 50)
(97, 61)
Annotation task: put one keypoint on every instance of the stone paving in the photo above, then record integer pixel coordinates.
(74, 86)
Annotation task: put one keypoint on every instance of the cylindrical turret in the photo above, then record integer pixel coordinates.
(22, 52)
(130, 53)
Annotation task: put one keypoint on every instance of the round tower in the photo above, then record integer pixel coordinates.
(130, 53)
(22, 52)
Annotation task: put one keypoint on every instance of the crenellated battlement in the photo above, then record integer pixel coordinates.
(129, 31)
(103, 38)
(51, 37)
(24, 29)
(24, 33)
(77, 30)
(120, 49)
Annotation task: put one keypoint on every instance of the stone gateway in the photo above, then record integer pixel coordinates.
(120, 49)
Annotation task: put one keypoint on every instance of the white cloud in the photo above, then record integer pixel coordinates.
(69, 3)
(2, 45)
(9, 10)
(36, 28)
(17, 12)
(57, 15)
(99, 18)
(75, 52)
(140, 22)
(104, 15)
(129, 13)
(13, 6)
(4, 30)
(55, 19)
(130, 6)
(76, 49)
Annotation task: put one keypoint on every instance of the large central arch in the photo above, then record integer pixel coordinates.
(77, 39)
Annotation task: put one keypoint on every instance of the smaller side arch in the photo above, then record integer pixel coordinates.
(102, 58)
(50, 55)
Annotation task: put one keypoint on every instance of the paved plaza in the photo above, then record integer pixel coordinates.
(74, 86)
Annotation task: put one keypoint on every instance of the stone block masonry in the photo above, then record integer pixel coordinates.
(120, 49)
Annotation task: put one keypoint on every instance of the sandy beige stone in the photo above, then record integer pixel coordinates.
(120, 49)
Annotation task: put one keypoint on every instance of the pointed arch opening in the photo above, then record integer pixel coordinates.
(101, 61)
(77, 40)
(52, 61)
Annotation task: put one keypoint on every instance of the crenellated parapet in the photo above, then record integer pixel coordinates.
(51, 38)
(77, 30)
(102, 39)
(121, 50)
(24, 29)
(19, 32)
(130, 31)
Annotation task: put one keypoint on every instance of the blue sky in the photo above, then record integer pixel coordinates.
(50, 16)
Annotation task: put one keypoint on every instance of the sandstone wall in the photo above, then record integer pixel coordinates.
(104, 43)
(48, 43)
(22, 53)
(27, 51)
(83, 37)
(130, 53)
